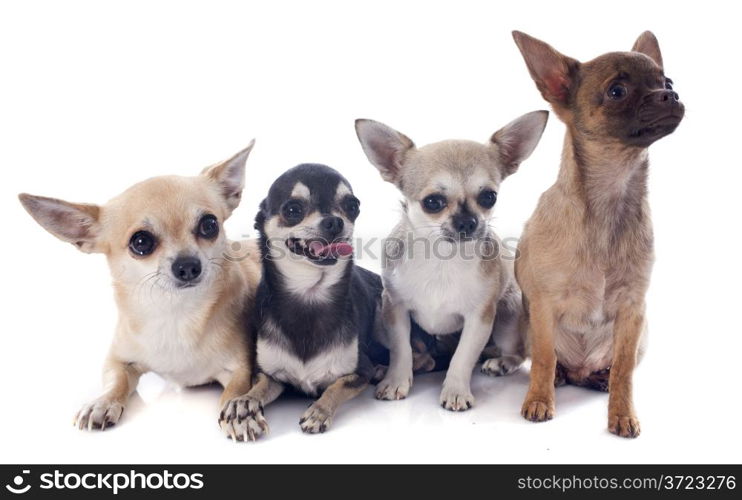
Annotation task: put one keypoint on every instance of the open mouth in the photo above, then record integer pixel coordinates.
(318, 251)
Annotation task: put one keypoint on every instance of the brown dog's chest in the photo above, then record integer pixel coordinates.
(584, 325)
(591, 296)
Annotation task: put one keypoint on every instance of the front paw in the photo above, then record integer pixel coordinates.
(538, 410)
(624, 425)
(455, 398)
(394, 387)
(98, 415)
(315, 420)
(242, 419)
(501, 366)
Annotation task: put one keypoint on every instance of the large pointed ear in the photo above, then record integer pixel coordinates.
(230, 175)
(516, 141)
(261, 216)
(385, 148)
(648, 45)
(552, 71)
(71, 222)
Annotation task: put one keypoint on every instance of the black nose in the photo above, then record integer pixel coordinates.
(668, 97)
(465, 224)
(332, 226)
(186, 269)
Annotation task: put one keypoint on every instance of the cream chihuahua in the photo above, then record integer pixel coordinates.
(443, 269)
(181, 295)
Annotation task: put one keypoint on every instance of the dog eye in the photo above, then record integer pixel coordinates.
(617, 91)
(668, 84)
(352, 207)
(208, 227)
(434, 203)
(142, 243)
(293, 210)
(487, 199)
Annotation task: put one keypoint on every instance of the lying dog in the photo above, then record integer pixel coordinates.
(443, 267)
(316, 312)
(181, 301)
(587, 251)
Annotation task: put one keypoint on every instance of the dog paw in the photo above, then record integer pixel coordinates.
(626, 426)
(315, 420)
(242, 419)
(501, 366)
(379, 373)
(456, 398)
(98, 415)
(422, 362)
(537, 411)
(393, 388)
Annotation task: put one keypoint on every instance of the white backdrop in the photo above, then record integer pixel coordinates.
(95, 96)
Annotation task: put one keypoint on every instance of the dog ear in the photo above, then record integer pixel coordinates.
(261, 216)
(71, 222)
(516, 141)
(648, 45)
(230, 175)
(385, 148)
(552, 71)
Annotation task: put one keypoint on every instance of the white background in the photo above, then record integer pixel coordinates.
(95, 96)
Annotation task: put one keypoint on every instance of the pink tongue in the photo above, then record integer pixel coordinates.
(341, 249)
(333, 249)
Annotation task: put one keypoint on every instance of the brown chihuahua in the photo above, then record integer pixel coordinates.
(586, 253)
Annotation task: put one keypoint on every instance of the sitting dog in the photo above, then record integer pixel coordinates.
(181, 298)
(444, 271)
(316, 313)
(587, 251)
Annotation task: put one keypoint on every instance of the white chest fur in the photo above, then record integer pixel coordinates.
(310, 375)
(176, 343)
(439, 290)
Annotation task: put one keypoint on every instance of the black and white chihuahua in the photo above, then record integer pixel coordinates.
(316, 313)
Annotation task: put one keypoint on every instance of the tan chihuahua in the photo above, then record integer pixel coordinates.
(586, 253)
(181, 295)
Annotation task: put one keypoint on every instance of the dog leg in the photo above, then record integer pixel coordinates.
(119, 381)
(627, 332)
(539, 403)
(422, 362)
(318, 417)
(398, 379)
(242, 417)
(240, 382)
(506, 355)
(456, 394)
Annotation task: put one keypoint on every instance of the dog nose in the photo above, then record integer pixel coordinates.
(332, 226)
(668, 97)
(465, 224)
(187, 269)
